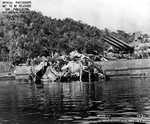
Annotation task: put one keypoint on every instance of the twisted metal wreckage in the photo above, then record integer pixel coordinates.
(80, 67)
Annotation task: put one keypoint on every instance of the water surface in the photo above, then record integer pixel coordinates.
(74, 102)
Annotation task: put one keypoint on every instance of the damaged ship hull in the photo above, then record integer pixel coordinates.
(127, 68)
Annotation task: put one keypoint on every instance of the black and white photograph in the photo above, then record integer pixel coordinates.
(74, 61)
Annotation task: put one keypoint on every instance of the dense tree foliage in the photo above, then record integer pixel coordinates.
(32, 34)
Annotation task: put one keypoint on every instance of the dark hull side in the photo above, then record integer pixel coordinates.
(85, 78)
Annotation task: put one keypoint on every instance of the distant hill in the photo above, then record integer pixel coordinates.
(32, 34)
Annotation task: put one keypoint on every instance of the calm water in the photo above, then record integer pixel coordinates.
(76, 102)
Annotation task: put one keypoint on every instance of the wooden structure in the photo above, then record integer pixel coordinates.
(117, 43)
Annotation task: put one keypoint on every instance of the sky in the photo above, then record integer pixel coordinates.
(128, 15)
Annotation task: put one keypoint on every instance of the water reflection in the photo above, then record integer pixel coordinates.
(74, 102)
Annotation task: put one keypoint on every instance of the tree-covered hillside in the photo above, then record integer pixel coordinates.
(32, 34)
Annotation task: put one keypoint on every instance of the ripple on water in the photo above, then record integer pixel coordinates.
(73, 102)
